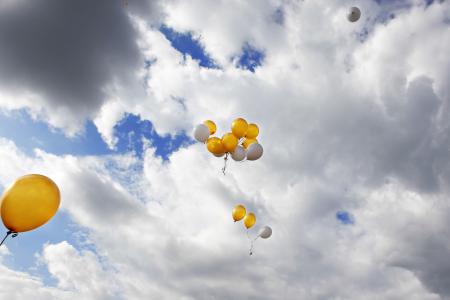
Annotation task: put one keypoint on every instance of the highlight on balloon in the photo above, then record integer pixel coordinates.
(240, 143)
(29, 203)
(249, 219)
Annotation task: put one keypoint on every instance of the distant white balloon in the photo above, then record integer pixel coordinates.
(265, 232)
(238, 154)
(201, 133)
(354, 14)
(255, 151)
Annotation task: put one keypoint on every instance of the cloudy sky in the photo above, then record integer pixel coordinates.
(354, 120)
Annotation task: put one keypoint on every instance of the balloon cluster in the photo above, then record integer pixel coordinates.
(28, 204)
(240, 143)
(239, 213)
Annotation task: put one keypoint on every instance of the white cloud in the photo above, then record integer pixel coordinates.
(19, 285)
(181, 242)
(79, 272)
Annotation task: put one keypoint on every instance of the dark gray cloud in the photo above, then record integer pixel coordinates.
(67, 51)
(426, 259)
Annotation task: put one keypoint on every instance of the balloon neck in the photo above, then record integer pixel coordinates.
(10, 232)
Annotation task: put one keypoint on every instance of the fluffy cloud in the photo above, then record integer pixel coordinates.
(353, 116)
(77, 274)
(20, 285)
(178, 239)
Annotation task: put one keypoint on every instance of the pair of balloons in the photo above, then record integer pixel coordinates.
(29, 203)
(239, 213)
(240, 142)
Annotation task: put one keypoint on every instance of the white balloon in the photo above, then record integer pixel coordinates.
(239, 153)
(201, 133)
(255, 151)
(354, 14)
(265, 232)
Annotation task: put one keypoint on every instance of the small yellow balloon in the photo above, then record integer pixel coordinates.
(249, 220)
(239, 127)
(214, 145)
(29, 203)
(252, 131)
(211, 125)
(229, 142)
(248, 142)
(238, 212)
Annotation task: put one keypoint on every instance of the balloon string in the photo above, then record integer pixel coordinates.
(225, 164)
(14, 234)
(251, 243)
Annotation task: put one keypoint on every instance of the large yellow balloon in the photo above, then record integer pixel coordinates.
(238, 212)
(211, 125)
(249, 220)
(252, 131)
(239, 127)
(29, 203)
(214, 145)
(229, 142)
(248, 142)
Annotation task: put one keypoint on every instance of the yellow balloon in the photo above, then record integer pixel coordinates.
(29, 203)
(238, 212)
(249, 220)
(252, 131)
(248, 142)
(214, 145)
(239, 127)
(211, 125)
(229, 142)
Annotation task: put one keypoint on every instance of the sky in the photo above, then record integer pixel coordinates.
(353, 117)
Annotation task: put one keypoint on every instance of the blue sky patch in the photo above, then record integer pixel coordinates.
(344, 217)
(132, 130)
(186, 44)
(251, 58)
(29, 134)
